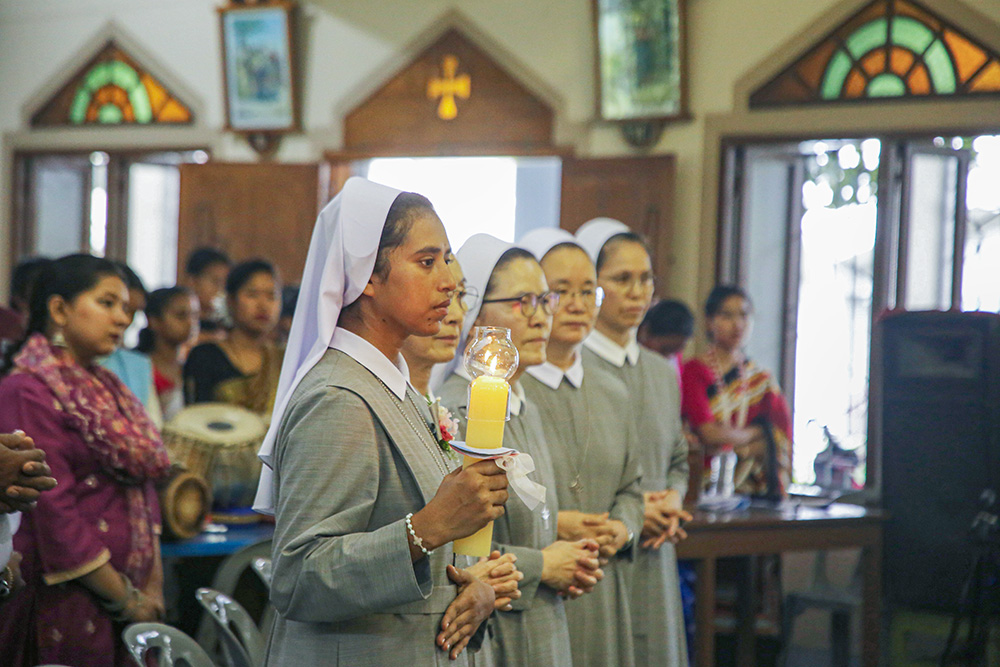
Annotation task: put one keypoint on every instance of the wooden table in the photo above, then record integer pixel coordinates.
(773, 531)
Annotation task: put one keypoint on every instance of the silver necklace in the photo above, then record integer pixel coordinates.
(576, 486)
(434, 451)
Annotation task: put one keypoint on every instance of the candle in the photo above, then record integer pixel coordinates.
(490, 358)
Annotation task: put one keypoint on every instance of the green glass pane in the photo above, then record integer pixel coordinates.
(124, 76)
(941, 68)
(911, 34)
(141, 106)
(109, 114)
(869, 36)
(78, 109)
(833, 79)
(886, 85)
(98, 76)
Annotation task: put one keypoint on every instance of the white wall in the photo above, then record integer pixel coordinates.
(351, 43)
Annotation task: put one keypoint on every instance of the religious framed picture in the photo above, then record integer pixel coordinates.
(259, 67)
(641, 59)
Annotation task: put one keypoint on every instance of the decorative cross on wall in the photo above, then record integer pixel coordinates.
(449, 87)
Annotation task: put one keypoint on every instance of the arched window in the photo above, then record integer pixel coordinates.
(112, 89)
(889, 49)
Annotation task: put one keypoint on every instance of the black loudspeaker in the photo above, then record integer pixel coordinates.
(940, 448)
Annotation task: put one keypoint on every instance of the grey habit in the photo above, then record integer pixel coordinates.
(653, 405)
(351, 461)
(535, 631)
(582, 429)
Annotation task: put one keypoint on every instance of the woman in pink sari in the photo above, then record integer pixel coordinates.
(91, 546)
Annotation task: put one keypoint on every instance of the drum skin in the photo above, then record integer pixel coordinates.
(219, 442)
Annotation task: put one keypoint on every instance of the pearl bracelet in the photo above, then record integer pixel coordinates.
(417, 542)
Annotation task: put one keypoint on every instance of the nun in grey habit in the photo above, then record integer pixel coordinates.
(535, 632)
(601, 473)
(653, 405)
(356, 481)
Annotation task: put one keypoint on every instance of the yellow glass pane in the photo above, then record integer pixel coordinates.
(874, 62)
(988, 80)
(900, 61)
(968, 57)
(919, 82)
(855, 85)
(158, 96)
(174, 112)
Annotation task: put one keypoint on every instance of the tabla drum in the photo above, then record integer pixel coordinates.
(220, 441)
(185, 501)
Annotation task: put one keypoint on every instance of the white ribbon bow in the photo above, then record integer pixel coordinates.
(517, 467)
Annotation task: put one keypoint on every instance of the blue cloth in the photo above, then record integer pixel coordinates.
(688, 579)
(135, 370)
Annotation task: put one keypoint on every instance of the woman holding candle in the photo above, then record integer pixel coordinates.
(515, 297)
(364, 504)
(598, 486)
(624, 272)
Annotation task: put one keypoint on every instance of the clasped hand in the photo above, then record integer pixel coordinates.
(663, 517)
(24, 475)
(470, 608)
(501, 574)
(610, 534)
(572, 568)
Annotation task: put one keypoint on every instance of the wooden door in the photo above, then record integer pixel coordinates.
(251, 210)
(637, 191)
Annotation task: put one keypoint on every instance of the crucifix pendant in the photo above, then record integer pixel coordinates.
(575, 487)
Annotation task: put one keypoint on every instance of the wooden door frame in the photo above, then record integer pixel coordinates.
(479, 150)
(896, 121)
(116, 242)
(84, 140)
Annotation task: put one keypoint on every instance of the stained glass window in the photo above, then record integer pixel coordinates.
(889, 49)
(113, 89)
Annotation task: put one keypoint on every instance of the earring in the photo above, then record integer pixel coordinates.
(58, 339)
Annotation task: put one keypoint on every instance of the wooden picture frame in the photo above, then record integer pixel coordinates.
(641, 59)
(258, 66)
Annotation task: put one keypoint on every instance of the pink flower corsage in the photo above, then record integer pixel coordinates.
(447, 427)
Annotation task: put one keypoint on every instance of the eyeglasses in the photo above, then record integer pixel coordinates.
(467, 298)
(592, 298)
(624, 281)
(529, 302)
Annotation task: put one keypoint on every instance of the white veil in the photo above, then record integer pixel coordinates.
(339, 264)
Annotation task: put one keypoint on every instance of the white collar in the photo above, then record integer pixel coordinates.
(395, 375)
(611, 351)
(551, 375)
(517, 397)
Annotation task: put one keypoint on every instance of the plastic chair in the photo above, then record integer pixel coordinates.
(262, 566)
(225, 581)
(821, 594)
(242, 642)
(169, 645)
